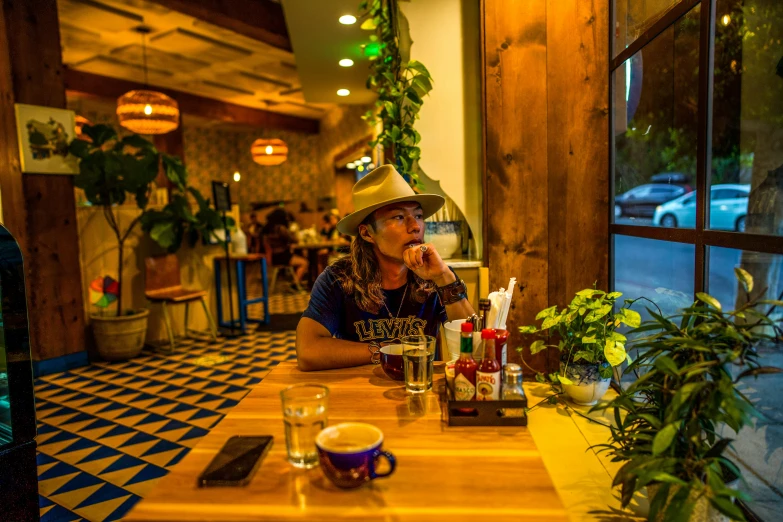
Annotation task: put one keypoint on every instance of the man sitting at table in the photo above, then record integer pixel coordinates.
(391, 285)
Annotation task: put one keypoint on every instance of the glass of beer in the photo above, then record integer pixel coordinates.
(304, 415)
(418, 352)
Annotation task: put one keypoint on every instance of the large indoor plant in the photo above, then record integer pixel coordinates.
(111, 171)
(400, 84)
(588, 343)
(671, 422)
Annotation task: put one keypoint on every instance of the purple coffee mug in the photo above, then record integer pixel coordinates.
(348, 453)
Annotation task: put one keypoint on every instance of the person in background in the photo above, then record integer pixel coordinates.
(391, 285)
(278, 240)
(329, 226)
(254, 232)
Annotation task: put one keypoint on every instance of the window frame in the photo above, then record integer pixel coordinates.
(700, 236)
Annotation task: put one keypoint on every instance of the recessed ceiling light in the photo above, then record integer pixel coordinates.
(360, 168)
(351, 166)
(347, 19)
(346, 62)
(237, 177)
(366, 159)
(343, 92)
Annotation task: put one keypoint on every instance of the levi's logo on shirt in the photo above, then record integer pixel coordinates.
(373, 329)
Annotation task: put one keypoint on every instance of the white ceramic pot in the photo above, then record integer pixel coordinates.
(589, 387)
(446, 236)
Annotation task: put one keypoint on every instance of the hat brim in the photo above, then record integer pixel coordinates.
(430, 203)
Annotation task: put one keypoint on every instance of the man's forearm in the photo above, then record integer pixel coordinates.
(462, 308)
(326, 353)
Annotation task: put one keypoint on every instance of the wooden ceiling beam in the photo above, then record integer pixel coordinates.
(106, 87)
(261, 20)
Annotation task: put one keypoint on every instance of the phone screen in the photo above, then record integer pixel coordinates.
(236, 462)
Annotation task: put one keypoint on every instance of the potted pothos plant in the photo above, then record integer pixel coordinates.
(587, 342)
(676, 421)
(113, 169)
(401, 85)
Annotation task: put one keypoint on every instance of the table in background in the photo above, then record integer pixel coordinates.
(311, 253)
(443, 473)
(241, 284)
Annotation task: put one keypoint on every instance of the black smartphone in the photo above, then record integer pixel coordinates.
(236, 462)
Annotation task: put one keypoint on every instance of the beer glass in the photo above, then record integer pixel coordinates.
(304, 415)
(418, 352)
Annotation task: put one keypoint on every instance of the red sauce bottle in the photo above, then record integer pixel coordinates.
(465, 367)
(488, 372)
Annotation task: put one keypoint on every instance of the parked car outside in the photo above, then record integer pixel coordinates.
(641, 201)
(728, 208)
(673, 178)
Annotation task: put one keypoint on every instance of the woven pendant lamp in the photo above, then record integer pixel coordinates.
(269, 151)
(144, 111)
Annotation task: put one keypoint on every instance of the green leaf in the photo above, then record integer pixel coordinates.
(614, 295)
(527, 329)
(164, 234)
(708, 299)
(537, 346)
(584, 355)
(728, 508)
(598, 313)
(665, 364)
(587, 292)
(549, 322)
(548, 312)
(99, 134)
(565, 380)
(614, 352)
(588, 339)
(631, 318)
(79, 148)
(419, 67)
(744, 277)
(663, 439)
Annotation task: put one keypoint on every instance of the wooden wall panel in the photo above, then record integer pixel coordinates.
(578, 148)
(515, 200)
(14, 213)
(52, 252)
(546, 131)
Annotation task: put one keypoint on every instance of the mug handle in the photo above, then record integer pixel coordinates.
(389, 457)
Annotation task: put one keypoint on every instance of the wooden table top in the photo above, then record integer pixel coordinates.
(443, 473)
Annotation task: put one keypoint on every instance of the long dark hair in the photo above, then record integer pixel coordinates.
(360, 276)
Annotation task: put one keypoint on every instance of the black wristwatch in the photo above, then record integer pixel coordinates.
(453, 292)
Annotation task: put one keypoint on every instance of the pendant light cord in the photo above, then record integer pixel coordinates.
(144, 56)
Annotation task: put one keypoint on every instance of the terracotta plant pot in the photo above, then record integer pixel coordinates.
(589, 387)
(120, 338)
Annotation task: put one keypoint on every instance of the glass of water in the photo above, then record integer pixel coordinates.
(304, 414)
(418, 352)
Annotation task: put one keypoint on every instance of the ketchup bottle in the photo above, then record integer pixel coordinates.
(465, 367)
(488, 372)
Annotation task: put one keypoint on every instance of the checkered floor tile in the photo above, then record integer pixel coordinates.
(109, 431)
(285, 300)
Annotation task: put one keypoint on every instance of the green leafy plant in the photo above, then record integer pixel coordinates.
(667, 423)
(112, 169)
(176, 221)
(401, 85)
(586, 333)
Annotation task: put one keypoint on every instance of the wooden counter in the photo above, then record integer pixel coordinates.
(442, 473)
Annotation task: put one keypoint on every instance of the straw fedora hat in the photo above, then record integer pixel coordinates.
(383, 186)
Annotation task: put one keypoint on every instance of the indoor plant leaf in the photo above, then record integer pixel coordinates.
(614, 352)
(744, 277)
(663, 439)
(707, 298)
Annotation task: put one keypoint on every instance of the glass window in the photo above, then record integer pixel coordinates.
(634, 17)
(759, 449)
(655, 120)
(662, 271)
(747, 125)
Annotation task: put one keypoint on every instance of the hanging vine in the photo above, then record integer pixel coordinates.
(400, 86)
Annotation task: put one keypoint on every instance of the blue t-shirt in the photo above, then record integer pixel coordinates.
(340, 314)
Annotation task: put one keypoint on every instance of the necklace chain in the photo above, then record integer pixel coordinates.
(401, 303)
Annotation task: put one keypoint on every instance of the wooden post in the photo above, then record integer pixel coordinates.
(33, 60)
(546, 176)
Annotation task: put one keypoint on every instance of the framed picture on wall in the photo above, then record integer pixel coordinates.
(44, 134)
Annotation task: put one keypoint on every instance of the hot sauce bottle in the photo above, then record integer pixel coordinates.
(488, 372)
(465, 367)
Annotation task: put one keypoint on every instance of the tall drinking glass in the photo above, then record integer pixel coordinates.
(304, 414)
(418, 352)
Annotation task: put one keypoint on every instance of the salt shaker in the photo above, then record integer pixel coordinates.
(512, 389)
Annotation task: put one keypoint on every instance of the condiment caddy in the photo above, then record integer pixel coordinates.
(482, 395)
